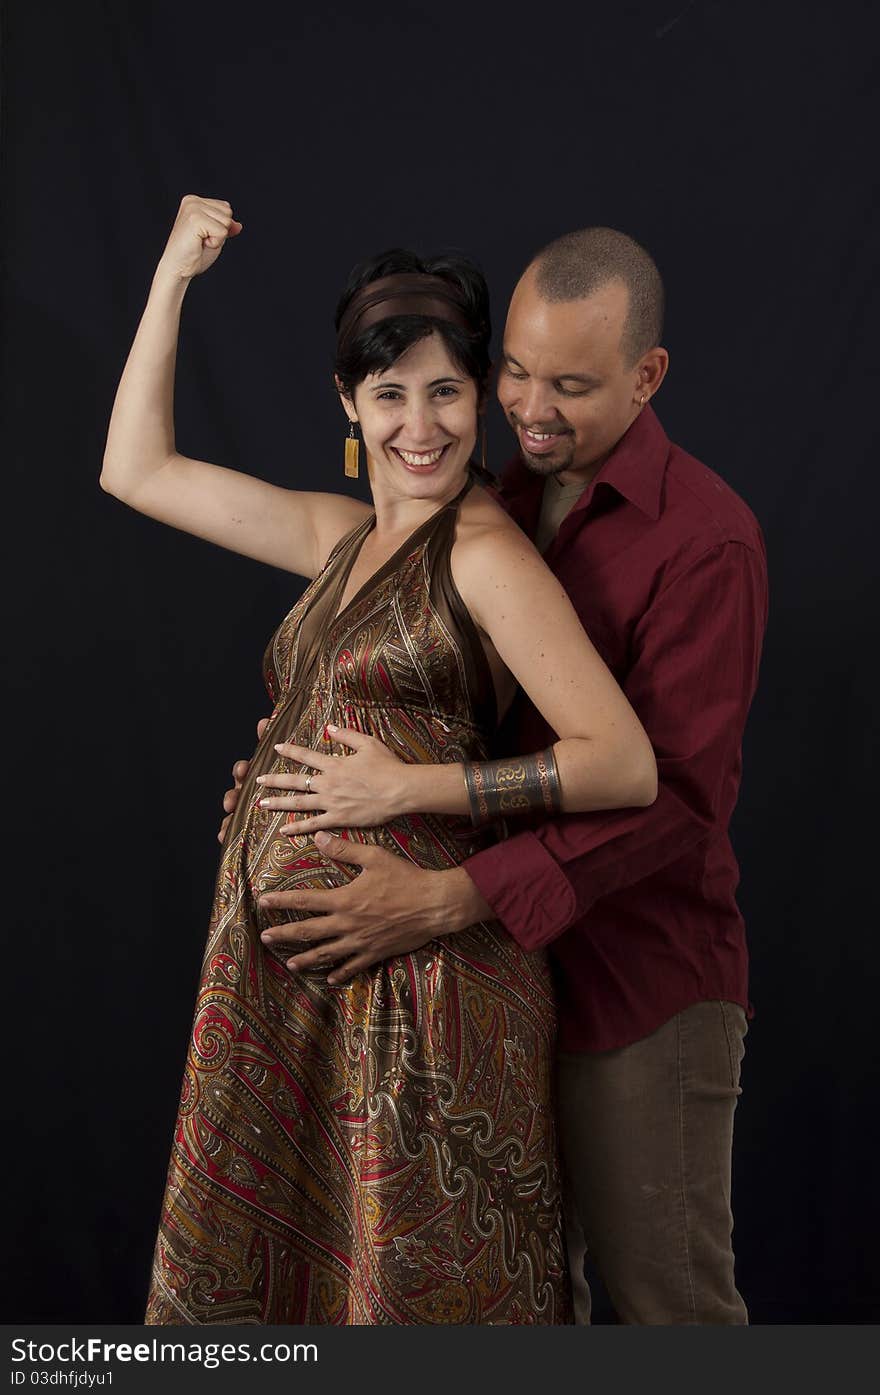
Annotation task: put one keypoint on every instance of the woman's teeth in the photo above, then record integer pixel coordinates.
(426, 458)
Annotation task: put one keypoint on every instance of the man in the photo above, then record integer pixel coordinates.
(666, 568)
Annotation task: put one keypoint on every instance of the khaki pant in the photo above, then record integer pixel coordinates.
(647, 1134)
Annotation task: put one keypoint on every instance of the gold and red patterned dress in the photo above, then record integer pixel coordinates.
(383, 1152)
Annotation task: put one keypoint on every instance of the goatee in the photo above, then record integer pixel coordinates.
(541, 465)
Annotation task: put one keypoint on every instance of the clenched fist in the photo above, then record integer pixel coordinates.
(198, 236)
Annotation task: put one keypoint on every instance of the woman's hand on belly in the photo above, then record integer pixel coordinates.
(363, 790)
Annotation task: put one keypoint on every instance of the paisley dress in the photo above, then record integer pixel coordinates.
(383, 1152)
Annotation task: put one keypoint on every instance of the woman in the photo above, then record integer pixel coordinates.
(383, 1152)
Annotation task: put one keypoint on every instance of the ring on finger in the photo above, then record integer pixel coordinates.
(309, 783)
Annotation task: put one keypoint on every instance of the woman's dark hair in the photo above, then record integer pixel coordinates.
(383, 344)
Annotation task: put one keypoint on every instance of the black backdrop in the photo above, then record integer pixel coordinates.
(732, 139)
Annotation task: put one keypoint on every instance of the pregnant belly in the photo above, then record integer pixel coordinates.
(272, 861)
(262, 859)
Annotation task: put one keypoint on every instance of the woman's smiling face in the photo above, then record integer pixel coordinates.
(418, 419)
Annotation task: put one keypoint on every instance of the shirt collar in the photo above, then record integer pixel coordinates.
(634, 469)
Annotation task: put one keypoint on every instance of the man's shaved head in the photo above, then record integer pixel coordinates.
(580, 263)
(582, 354)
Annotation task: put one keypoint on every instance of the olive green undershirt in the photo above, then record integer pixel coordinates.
(557, 502)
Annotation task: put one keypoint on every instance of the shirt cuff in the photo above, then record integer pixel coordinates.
(526, 888)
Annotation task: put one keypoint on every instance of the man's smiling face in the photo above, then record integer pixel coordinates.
(564, 384)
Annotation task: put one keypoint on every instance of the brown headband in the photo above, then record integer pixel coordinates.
(405, 293)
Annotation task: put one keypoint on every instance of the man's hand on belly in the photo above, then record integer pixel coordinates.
(239, 770)
(392, 908)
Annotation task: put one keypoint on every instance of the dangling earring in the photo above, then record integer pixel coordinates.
(352, 452)
(483, 438)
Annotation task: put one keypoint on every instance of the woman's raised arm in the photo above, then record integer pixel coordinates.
(290, 529)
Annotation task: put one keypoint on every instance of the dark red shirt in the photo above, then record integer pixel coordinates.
(666, 568)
